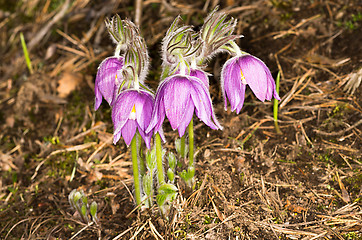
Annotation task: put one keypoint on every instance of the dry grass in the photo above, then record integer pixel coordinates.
(252, 183)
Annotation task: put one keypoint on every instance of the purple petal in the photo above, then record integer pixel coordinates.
(186, 119)
(254, 71)
(128, 131)
(235, 89)
(116, 136)
(203, 104)
(98, 99)
(225, 76)
(146, 137)
(122, 109)
(242, 98)
(200, 75)
(158, 113)
(176, 97)
(144, 108)
(106, 83)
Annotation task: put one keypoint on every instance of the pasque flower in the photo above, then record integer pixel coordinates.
(132, 110)
(178, 97)
(200, 75)
(243, 70)
(108, 80)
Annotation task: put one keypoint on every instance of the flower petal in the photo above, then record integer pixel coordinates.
(202, 100)
(128, 131)
(158, 113)
(254, 71)
(225, 78)
(146, 137)
(144, 107)
(200, 75)
(122, 109)
(106, 80)
(176, 97)
(98, 98)
(186, 119)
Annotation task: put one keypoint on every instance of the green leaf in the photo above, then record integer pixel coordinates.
(71, 198)
(147, 184)
(84, 210)
(167, 188)
(172, 160)
(93, 209)
(77, 196)
(191, 172)
(151, 159)
(160, 199)
(85, 200)
(170, 175)
(26, 53)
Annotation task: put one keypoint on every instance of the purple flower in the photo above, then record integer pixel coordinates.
(200, 75)
(246, 69)
(132, 110)
(107, 80)
(178, 97)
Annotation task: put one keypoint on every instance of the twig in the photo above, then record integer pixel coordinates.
(291, 94)
(40, 35)
(138, 13)
(120, 235)
(339, 132)
(84, 228)
(108, 141)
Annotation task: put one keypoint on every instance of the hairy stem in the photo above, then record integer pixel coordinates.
(140, 154)
(191, 143)
(275, 106)
(136, 175)
(183, 147)
(160, 174)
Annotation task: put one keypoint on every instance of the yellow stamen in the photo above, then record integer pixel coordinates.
(133, 115)
(243, 80)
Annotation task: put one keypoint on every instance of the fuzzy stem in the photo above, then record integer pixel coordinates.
(136, 82)
(191, 143)
(136, 175)
(236, 48)
(165, 72)
(140, 154)
(160, 175)
(183, 147)
(182, 65)
(275, 106)
(118, 50)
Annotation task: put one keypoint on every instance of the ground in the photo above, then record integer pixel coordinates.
(251, 183)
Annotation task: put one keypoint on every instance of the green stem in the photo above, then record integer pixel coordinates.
(183, 147)
(191, 143)
(136, 175)
(160, 175)
(275, 106)
(165, 72)
(236, 48)
(26, 53)
(140, 154)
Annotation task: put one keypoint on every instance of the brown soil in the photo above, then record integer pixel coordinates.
(251, 183)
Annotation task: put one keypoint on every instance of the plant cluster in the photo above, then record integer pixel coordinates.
(138, 113)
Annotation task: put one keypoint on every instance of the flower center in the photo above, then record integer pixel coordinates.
(242, 77)
(132, 115)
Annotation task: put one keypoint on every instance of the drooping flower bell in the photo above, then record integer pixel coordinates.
(243, 70)
(178, 97)
(108, 80)
(200, 75)
(132, 110)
